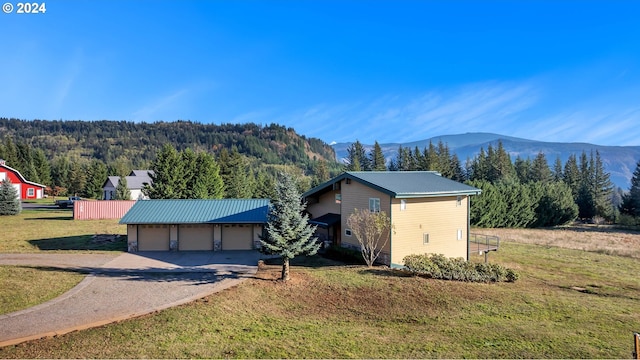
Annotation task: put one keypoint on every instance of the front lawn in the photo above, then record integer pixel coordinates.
(567, 304)
(24, 286)
(52, 229)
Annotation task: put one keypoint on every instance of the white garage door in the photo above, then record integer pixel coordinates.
(153, 237)
(195, 237)
(237, 237)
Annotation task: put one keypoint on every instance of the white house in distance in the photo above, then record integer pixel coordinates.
(135, 183)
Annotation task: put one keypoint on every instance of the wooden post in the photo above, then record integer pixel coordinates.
(636, 346)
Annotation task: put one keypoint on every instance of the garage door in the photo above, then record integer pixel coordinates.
(153, 237)
(237, 237)
(195, 237)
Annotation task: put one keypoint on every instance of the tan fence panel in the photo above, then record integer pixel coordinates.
(101, 209)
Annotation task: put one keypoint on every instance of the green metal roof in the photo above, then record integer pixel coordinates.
(198, 211)
(403, 184)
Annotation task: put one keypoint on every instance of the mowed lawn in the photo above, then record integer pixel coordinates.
(567, 303)
(52, 229)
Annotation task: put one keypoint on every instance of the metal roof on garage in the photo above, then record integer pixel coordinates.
(198, 211)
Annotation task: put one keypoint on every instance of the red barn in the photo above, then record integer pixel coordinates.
(26, 189)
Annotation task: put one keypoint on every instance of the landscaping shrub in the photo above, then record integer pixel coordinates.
(346, 255)
(437, 266)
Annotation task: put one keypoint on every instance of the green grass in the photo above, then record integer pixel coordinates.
(23, 287)
(48, 229)
(567, 304)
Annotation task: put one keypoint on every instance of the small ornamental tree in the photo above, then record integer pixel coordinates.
(122, 190)
(372, 231)
(9, 199)
(288, 232)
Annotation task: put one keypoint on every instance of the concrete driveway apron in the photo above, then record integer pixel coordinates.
(122, 287)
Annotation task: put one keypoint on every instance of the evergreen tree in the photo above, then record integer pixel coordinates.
(207, 182)
(378, 162)
(571, 175)
(288, 232)
(10, 153)
(523, 169)
(42, 167)
(238, 180)
(540, 169)
(122, 190)
(357, 159)
(96, 176)
(77, 178)
(554, 204)
(602, 189)
(60, 172)
(265, 186)
(190, 171)
(557, 170)
(458, 172)
(9, 199)
(320, 171)
(167, 176)
(631, 200)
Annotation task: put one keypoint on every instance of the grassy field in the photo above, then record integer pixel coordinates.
(23, 287)
(50, 229)
(568, 303)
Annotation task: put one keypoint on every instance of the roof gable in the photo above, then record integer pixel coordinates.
(133, 182)
(22, 178)
(197, 211)
(403, 184)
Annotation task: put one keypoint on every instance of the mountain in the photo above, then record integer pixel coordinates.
(137, 143)
(619, 161)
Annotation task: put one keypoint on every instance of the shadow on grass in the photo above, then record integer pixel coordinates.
(150, 274)
(105, 242)
(315, 261)
(51, 218)
(383, 271)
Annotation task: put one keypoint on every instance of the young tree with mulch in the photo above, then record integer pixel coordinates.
(9, 199)
(372, 231)
(288, 232)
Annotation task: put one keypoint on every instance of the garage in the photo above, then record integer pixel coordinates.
(195, 237)
(194, 224)
(237, 237)
(153, 237)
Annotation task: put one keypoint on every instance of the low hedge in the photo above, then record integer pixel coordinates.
(348, 256)
(437, 266)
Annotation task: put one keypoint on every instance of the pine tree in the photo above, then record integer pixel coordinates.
(167, 177)
(540, 169)
(357, 159)
(523, 169)
(602, 189)
(378, 162)
(288, 232)
(96, 175)
(557, 170)
(9, 199)
(631, 200)
(42, 167)
(206, 183)
(571, 175)
(122, 190)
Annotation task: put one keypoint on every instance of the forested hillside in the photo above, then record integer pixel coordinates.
(78, 155)
(138, 142)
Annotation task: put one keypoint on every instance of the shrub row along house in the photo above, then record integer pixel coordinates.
(429, 213)
(27, 190)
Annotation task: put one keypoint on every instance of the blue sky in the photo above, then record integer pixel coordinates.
(392, 71)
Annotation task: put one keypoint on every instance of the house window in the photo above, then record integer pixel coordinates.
(459, 201)
(338, 198)
(374, 204)
(403, 205)
(30, 192)
(425, 239)
(459, 234)
(347, 232)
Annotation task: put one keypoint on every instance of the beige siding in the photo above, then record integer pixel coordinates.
(327, 204)
(132, 238)
(441, 218)
(356, 196)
